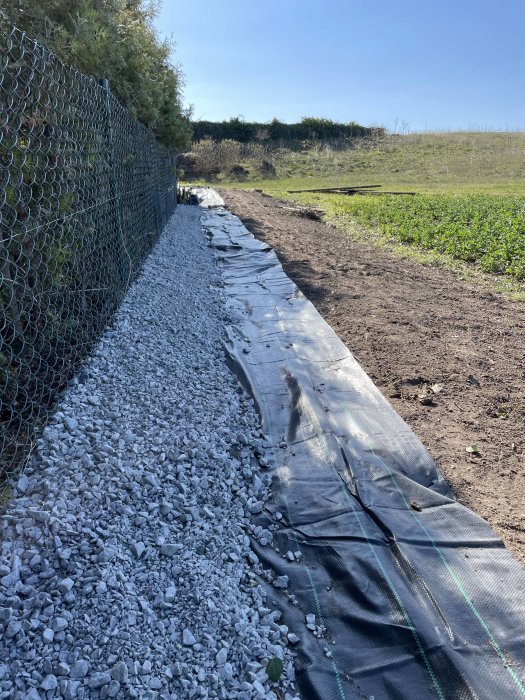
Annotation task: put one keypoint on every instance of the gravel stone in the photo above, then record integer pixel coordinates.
(171, 549)
(10, 579)
(97, 680)
(63, 669)
(60, 624)
(170, 595)
(71, 424)
(127, 539)
(79, 669)
(49, 683)
(13, 629)
(22, 484)
(113, 689)
(101, 587)
(65, 585)
(281, 582)
(139, 548)
(187, 638)
(119, 672)
(221, 657)
(177, 669)
(32, 694)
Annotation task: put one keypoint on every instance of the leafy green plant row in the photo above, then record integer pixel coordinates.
(481, 228)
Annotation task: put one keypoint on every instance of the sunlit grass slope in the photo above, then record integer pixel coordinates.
(429, 162)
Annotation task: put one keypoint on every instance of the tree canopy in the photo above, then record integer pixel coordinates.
(117, 40)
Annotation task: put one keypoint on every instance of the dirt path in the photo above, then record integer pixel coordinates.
(413, 327)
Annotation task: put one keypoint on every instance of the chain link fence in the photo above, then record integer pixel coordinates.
(85, 193)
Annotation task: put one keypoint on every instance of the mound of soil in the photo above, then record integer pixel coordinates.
(447, 354)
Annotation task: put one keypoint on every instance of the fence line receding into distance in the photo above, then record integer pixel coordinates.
(85, 193)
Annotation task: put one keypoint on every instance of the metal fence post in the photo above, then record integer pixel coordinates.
(154, 170)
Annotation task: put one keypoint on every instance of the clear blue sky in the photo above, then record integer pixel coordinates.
(434, 64)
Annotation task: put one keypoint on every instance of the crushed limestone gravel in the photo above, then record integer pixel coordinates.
(126, 569)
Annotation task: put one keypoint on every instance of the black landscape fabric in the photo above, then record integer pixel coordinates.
(414, 596)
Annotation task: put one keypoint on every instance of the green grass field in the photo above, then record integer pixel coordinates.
(440, 162)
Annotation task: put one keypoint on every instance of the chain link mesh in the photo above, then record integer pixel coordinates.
(85, 193)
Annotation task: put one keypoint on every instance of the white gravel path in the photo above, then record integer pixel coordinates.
(125, 566)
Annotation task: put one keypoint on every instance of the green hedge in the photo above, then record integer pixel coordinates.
(309, 128)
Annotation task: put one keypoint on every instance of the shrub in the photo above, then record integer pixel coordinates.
(210, 158)
(117, 40)
(267, 169)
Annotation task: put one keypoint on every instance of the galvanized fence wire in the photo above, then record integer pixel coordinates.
(85, 191)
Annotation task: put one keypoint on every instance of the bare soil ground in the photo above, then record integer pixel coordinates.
(413, 327)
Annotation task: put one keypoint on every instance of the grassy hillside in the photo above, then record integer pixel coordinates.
(431, 162)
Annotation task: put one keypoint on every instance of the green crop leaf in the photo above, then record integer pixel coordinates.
(274, 669)
(473, 449)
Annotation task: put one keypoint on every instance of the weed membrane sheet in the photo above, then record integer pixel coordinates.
(395, 589)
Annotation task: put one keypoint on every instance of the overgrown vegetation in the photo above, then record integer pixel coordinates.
(113, 39)
(227, 159)
(241, 150)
